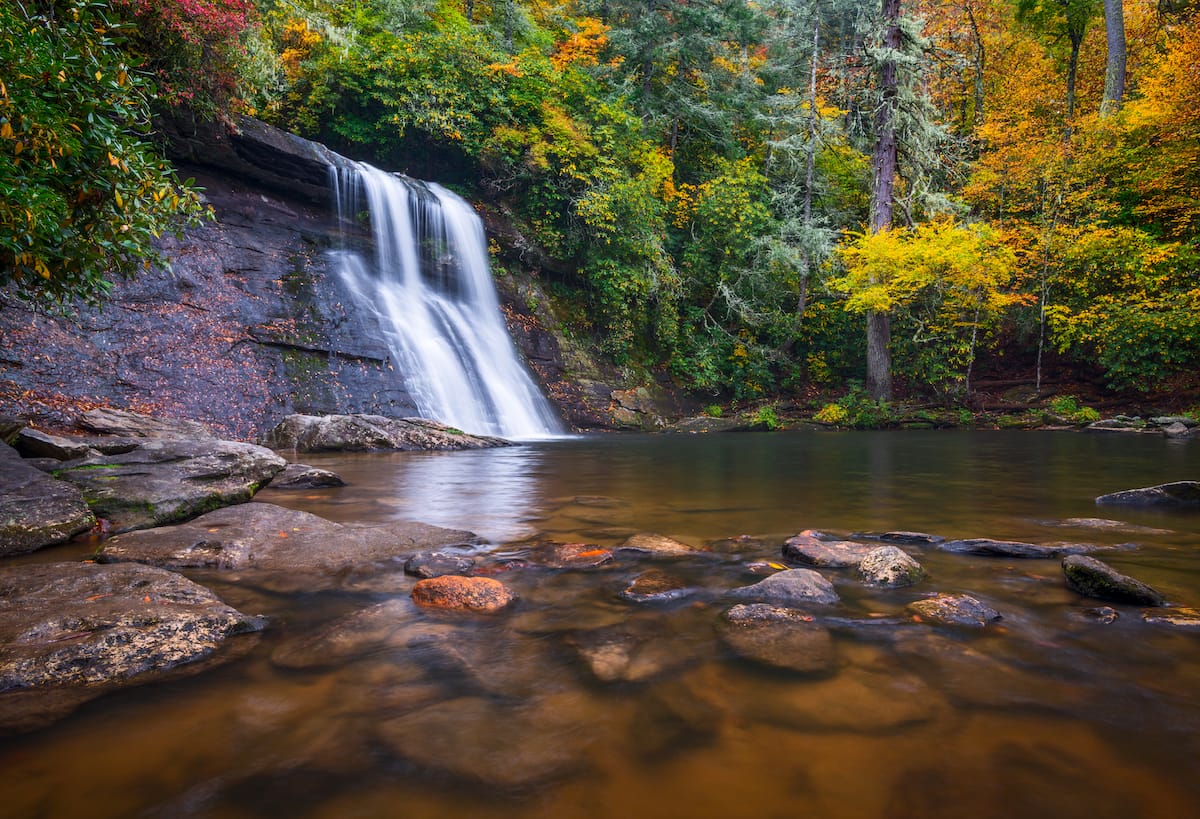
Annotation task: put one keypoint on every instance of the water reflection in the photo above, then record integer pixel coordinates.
(492, 493)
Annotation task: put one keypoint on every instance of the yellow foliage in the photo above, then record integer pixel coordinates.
(583, 47)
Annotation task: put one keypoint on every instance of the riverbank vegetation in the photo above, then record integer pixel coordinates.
(731, 193)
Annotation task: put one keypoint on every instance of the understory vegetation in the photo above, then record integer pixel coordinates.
(702, 173)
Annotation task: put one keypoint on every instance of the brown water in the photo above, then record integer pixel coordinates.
(1050, 713)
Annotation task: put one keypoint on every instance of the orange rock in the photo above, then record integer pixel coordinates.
(481, 594)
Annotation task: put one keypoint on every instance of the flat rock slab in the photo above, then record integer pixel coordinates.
(986, 547)
(365, 433)
(901, 538)
(794, 586)
(506, 747)
(954, 610)
(779, 638)
(35, 509)
(78, 630)
(812, 550)
(891, 568)
(1182, 494)
(164, 480)
(1096, 579)
(262, 536)
(126, 424)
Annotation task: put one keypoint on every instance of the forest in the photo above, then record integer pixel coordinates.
(754, 199)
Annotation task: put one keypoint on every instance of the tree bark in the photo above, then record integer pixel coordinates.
(883, 166)
(1114, 71)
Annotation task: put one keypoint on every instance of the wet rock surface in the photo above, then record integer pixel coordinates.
(72, 631)
(365, 433)
(891, 568)
(657, 545)
(164, 480)
(794, 586)
(570, 555)
(36, 510)
(1096, 579)
(986, 547)
(777, 637)
(302, 476)
(262, 536)
(811, 549)
(655, 586)
(454, 592)
(1179, 617)
(436, 564)
(1182, 494)
(954, 610)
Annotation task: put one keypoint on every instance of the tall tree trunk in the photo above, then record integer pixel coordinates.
(470, 11)
(883, 166)
(1072, 73)
(980, 65)
(1114, 71)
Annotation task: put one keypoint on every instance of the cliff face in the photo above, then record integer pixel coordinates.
(248, 325)
(251, 323)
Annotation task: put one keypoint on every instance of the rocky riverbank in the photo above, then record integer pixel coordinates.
(128, 615)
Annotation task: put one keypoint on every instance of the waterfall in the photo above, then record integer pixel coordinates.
(426, 276)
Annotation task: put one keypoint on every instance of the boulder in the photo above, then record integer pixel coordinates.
(1096, 579)
(809, 548)
(364, 433)
(655, 544)
(35, 509)
(986, 547)
(10, 428)
(776, 637)
(890, 567)
(478, 594)
(791, 586)
(902, 538)
(655, 586)
(1176, 430)
(262, 536)
(1177, 494)
(954, 610)
(166, 479)
(72, 631)
(302, 476)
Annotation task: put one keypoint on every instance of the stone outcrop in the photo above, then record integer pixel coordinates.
(72, 631)
(365, 433)
(164, 480)
(35, 509)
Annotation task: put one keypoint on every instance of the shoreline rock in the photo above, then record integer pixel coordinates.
(368, 433)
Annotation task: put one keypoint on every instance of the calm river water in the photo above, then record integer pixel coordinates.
(1048, 713)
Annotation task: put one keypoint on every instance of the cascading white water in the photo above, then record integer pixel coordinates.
(431, 285)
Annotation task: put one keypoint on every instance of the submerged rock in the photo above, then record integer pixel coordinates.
(164, 480)
(1094, 578)
(655, 586)
(777, 637)
(856, 700)
(72, 631)
(1179, 617)
(303, 476)
(364, 433)
(902, 538)
(987, 547)
(436, 564)
(35, 509)
(656, 544)
(506, 747)
(890, 568)
(478, 594)
(628, 654)
(791, 586)
(807, 547)
(571, 556)
(1177, 494)
(954, 610)
(262, 536)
